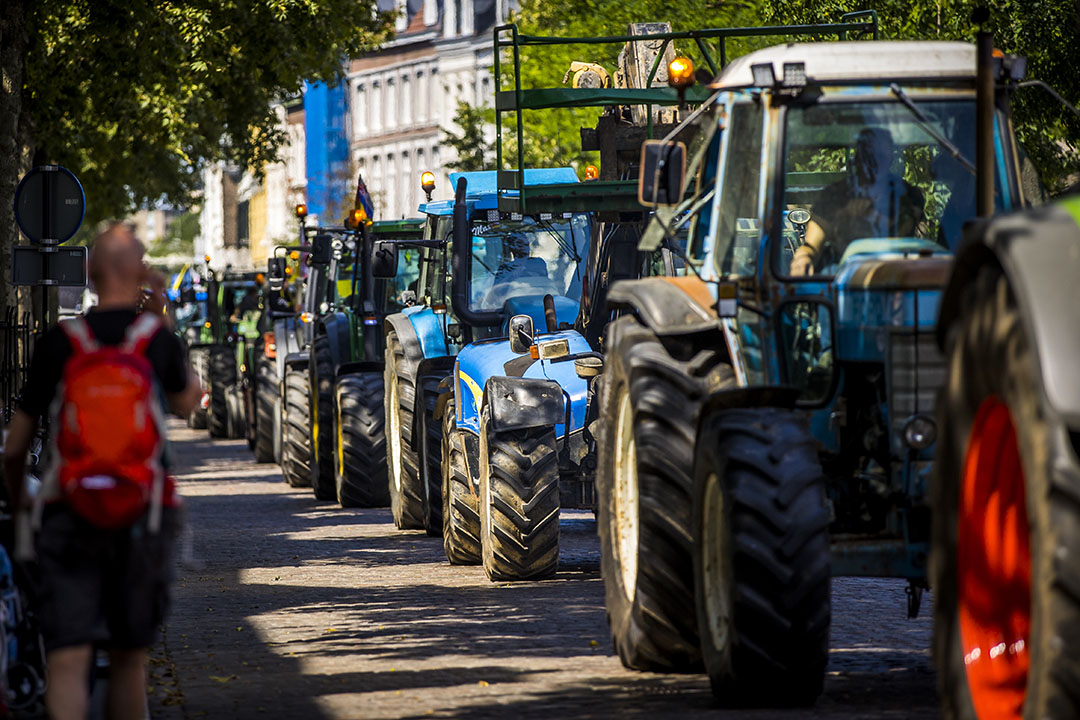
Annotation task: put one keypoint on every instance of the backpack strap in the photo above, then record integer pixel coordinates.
(140, 333)
(79, 335)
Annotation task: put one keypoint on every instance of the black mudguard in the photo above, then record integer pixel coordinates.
(519, 403)
(1039, 252)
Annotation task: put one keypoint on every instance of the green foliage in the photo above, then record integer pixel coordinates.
(552, 137)
(1047, 32)
(136, 97)
(473, 151)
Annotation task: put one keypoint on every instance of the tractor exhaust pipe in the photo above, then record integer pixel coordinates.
(550, 319)
(984, 124)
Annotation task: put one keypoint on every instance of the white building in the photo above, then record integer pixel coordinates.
(244, 216)
(402, 97)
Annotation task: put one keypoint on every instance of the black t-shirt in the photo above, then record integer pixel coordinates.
(53, 349)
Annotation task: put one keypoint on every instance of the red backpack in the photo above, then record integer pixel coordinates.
(109, 427)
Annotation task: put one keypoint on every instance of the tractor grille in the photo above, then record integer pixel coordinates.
(916, 373)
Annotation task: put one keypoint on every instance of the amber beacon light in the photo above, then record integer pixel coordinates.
(681, 73)
(427, 183)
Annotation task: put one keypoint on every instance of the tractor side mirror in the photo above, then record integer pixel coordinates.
(275, 268)
(321, 249)
(521, 334)
(663, 165)
(384, 261)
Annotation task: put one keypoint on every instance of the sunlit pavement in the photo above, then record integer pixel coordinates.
(291, 608)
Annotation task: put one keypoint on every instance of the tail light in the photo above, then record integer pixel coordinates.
(269, 345)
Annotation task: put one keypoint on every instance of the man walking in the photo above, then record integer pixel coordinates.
(107, 509)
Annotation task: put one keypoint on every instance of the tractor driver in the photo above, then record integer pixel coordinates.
(517, 272)
(870, 202)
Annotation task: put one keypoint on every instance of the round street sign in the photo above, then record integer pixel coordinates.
(49, 204)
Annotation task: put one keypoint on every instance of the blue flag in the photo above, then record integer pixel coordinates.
(363, 199)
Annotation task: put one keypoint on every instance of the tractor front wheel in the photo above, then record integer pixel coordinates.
(222, 378)
(360, 460)
(460, 503)
(761, 557)
(296, 447)
(406, 494)
(519, 502)
(322, 420)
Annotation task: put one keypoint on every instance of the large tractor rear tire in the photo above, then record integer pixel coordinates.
(322, 420)
(222, 377)
(360, 460)
(649, 403)
(761, 557)
(403, 463)
(266, 392)
(237, 414)
(431, 455)
(296, 448)
(519, 502)
(1006, 523)
(460, 503)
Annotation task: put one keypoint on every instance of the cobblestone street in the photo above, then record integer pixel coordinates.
(290, 608)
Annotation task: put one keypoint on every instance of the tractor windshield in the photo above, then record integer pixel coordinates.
(870, 177)
(511, 258)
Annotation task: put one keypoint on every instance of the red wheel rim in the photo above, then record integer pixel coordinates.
(994, 566)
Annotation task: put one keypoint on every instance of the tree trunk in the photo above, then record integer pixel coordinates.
(14, 130)
(14, 159)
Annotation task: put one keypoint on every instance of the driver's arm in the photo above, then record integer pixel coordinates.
(803, 261)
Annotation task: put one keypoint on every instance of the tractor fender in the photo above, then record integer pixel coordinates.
(667, 305)
(410, 343)
(440, 367)
(427, 327)
(336, 328)
(519, 403)
(1039, 252)
(743, 397)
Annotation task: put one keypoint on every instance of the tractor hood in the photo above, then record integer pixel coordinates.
(877, 295)
(566, 310)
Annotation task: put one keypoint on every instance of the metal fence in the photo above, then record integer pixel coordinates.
(16, 344)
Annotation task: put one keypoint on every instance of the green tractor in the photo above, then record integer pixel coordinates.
(371, 273)
(228, 333)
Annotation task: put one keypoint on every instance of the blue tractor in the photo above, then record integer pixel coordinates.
(504, 268)
(768, 422)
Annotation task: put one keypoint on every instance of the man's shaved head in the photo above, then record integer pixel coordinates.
(116, 262)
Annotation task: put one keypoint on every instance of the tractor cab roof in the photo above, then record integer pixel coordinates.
(483, 191)
(858, 63)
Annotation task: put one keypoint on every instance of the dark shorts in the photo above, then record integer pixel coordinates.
(100, 586)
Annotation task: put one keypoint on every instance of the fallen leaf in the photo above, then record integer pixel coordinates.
(484, 683)
(593, 643)
(222, 679)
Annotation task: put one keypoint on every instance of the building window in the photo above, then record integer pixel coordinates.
(374, 113)
(243, 230)
(406, 102)
(360, 112)
(390, 106)
(421, 97)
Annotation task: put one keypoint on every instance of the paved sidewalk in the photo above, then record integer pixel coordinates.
(291, 608)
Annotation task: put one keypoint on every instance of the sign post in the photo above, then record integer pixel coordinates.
(49, 207)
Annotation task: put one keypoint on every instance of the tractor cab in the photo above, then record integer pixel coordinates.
(825, 191)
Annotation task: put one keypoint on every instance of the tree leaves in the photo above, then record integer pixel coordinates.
(137, 97)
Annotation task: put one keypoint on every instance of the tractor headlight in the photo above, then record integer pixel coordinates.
(920, 432)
